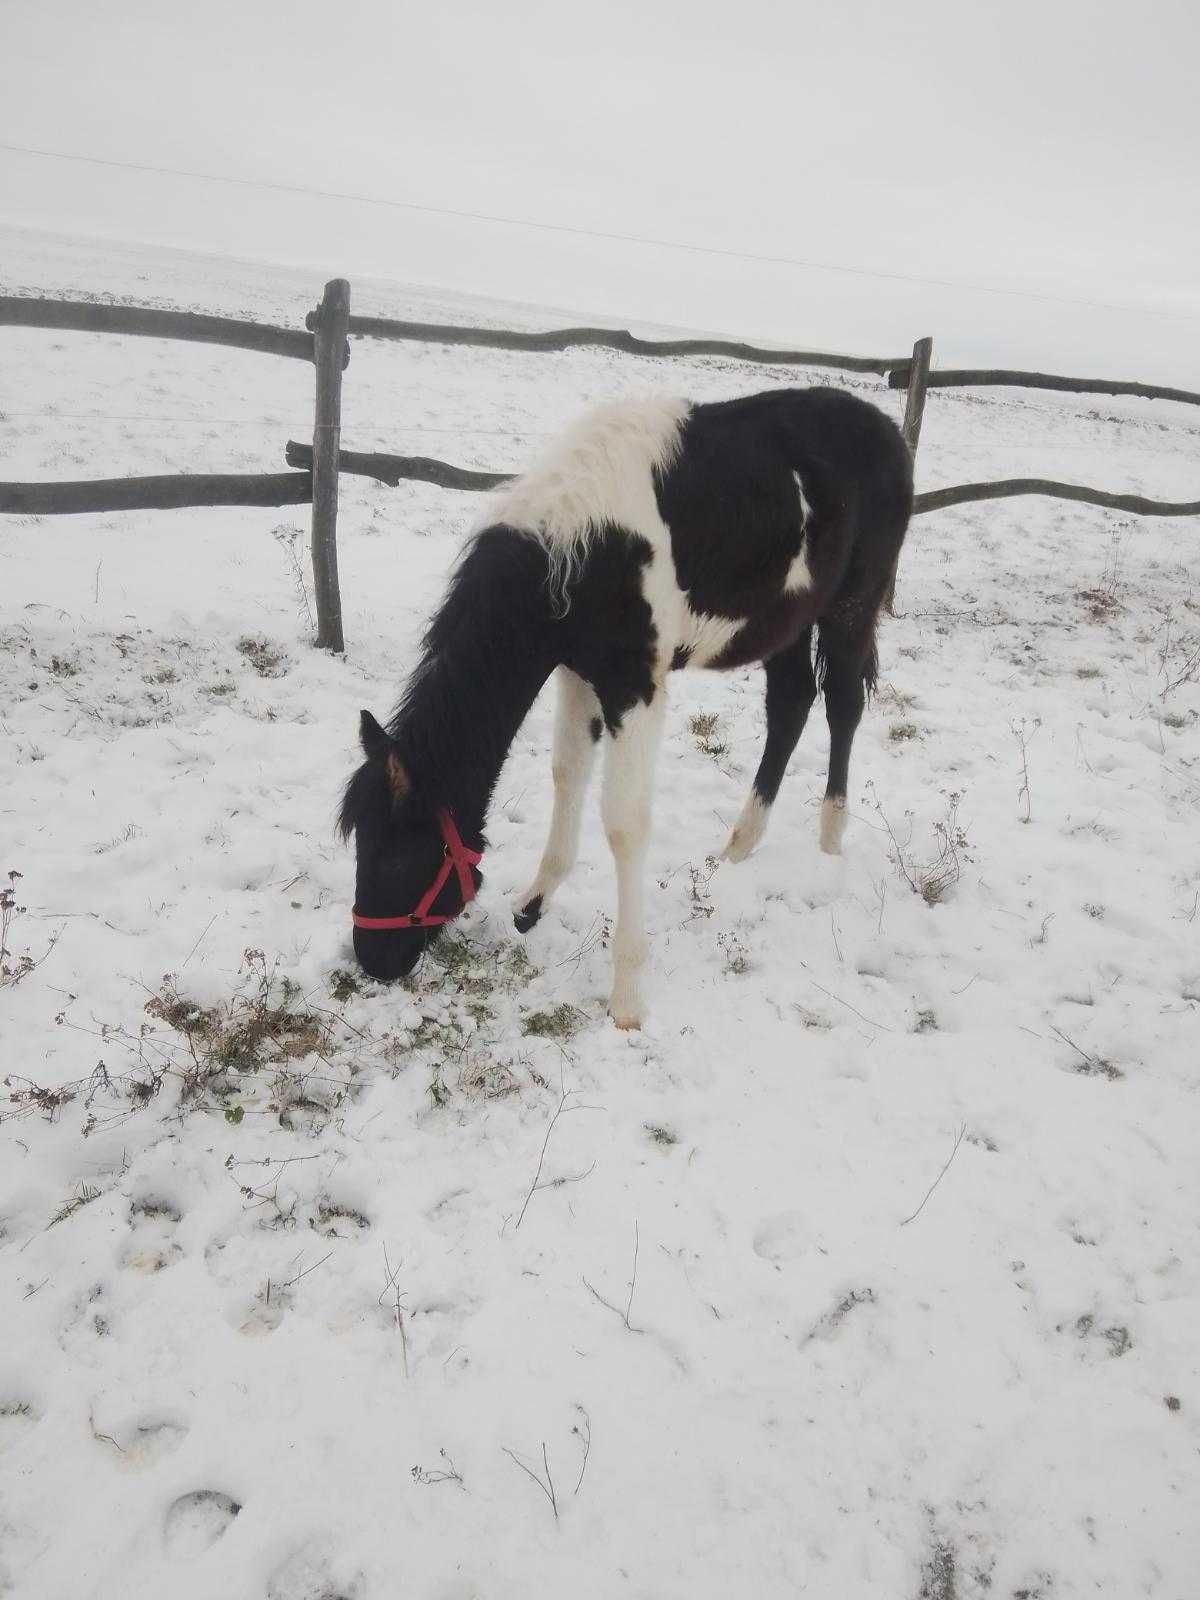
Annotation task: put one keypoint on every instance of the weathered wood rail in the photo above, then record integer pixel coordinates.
(1004, 488)
(991, 377)
(617, 339)
(394, 470)
(166, 493)
(148, 322)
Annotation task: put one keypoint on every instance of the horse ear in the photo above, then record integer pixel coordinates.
(375, 741)
(398, 779)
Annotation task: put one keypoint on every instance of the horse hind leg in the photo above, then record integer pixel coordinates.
(791, 690)
(847, 666)
(577, 729)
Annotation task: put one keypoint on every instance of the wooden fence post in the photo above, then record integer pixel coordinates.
(914, 414)
(914, 400)
(328, 322)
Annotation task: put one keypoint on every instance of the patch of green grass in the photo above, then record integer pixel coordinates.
(338, 1221)
(481, 1077)
(437, 1090)
(478, 970)
(266, 660)
(899, 732)
(556, 1022)
(266, 1027)
(342, 985)
(459, 958)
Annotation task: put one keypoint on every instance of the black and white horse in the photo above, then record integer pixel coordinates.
(653, 535)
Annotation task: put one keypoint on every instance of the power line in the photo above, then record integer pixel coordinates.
(598, 233)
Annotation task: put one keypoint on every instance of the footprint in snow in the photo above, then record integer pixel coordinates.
(262, 1316)
(152, 1441)
(196, 1521)
(306, 1575)
(17, 1416)
(153, 1222)
(784, 1237)
(339, 1220)
(88, 1320)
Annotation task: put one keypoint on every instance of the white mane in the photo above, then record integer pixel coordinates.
(600, 470)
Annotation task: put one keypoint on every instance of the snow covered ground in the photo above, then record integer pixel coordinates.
(304, 1286)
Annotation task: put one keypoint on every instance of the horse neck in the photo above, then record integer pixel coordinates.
(489, 651)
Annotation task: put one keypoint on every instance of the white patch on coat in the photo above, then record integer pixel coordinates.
(574, 755)
(705, 637)
(798, 575)
(805, 508)
(600, 470)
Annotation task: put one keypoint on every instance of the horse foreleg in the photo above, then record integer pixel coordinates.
(577, 729)
(628, 780)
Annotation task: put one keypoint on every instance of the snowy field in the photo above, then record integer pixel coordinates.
(304, 1285)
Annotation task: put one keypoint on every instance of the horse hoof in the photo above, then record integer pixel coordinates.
(833, 824)
(738, 848)
(528, 915)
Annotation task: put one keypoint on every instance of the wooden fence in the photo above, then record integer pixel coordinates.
(317, 466)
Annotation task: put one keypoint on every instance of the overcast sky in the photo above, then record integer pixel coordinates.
(1050, 150)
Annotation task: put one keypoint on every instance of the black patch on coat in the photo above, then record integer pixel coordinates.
(731, 501)
(608, 635)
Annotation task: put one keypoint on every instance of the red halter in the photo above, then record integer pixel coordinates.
(458, 858)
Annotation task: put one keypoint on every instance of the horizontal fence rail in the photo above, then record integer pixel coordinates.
(1004, 488)
(989, 377)
(423, 469)
(84, 316)
(295, 488)
(616, 339)
(167, 493)
(394, 470)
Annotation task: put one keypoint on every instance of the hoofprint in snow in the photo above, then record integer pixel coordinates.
(869, 1267)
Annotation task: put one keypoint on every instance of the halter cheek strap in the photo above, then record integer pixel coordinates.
(457, 859)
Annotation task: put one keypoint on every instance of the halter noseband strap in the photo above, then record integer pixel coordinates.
(457, 858)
